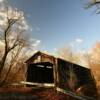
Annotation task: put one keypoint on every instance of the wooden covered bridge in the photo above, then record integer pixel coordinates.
(44, 68)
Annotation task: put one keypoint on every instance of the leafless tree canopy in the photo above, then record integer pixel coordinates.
(93, 3)
(13, 39)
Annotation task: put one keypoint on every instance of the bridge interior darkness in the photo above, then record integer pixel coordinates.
(40, 73)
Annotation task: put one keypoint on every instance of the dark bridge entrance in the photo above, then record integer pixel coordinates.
(40, 73)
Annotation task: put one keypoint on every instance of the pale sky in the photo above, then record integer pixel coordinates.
(58, 23)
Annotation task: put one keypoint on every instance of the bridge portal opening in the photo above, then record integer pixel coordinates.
(40, 73)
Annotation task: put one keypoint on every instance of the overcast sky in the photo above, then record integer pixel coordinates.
(57, 23)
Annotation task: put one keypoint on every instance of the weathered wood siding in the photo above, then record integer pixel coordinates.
(80, 75)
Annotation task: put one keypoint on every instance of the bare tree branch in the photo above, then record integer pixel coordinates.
(14, 45)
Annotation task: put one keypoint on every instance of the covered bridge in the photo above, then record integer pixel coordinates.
(44, 68)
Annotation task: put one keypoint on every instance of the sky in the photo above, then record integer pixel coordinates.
(58, 23)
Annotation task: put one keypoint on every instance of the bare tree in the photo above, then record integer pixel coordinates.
(65, 53)
(13, 26)
(92, 3)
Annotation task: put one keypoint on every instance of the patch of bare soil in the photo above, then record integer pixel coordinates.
(32, 94)
(17, 94)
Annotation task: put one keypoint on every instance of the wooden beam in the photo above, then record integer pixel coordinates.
(37, 84)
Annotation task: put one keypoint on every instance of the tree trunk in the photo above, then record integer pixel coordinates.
(3, 62)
